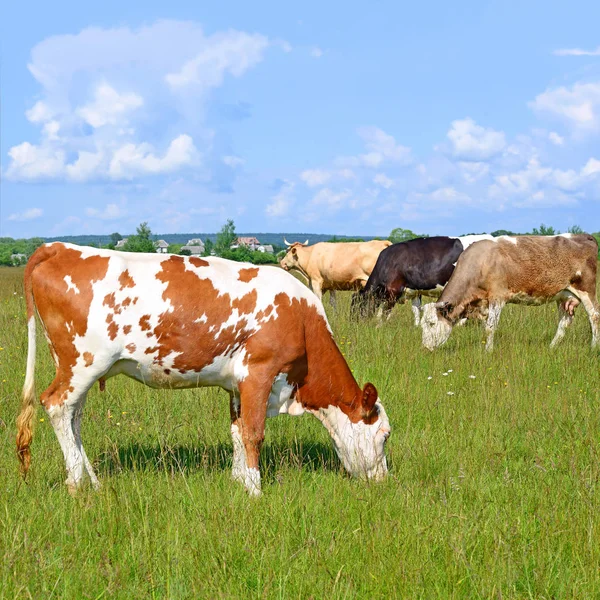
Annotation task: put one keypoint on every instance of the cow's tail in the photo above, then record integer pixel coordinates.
(25, 418)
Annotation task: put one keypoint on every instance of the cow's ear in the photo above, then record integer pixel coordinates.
(369, 397)
(294, 251)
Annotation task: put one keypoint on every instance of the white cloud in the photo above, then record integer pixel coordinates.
(330, 198)
(233, 161)
(473, 171)
(131, 160)
(39, 112)
(111, 212)
(28, 215)
(100, 79)
(316, 52)
(592, 167)
(556, 139)
(30, 162)
(383, 180)
(315, 177)
(282, 201)
(87, 166)
(577, 52)
(108, 106)
(382, 148)
(578, 105)
(233, 52)
(473, 142)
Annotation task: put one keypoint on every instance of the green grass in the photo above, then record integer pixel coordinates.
(493, 491)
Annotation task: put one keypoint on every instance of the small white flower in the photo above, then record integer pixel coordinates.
(471, 376)
(445, 374)
(450, 393)
(449, 370)
(430, 377)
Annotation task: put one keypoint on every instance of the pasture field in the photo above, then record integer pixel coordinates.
(493, 490)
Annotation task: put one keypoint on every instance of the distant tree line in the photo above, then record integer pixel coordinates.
(15, 252)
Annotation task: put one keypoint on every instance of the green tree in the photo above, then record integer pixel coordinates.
(544, 230)
(225, 238)
(185, 252)
(575, 229)
(208, 247)
(114, 238)
(142, 241)
(174, 248)
(402, 235)
(502, 232)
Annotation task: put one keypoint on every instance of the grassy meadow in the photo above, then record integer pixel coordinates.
(493, 491)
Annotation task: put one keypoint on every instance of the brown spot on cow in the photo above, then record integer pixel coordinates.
(198, 262)
(112, 329)
(183, 290)
(109, 300)
(88, 359)
(130, 348)
(145, 323)
(135, 300)
(247, 275)
(109, 318)
(126, 280)
(126, 329)
(246, 304)
(126, 302)
(44, 285)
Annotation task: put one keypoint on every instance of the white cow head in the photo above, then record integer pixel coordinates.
(360, 446)
(291, 259)
(435, 326)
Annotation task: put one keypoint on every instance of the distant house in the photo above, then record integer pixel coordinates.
(161, 246)
(249, 242)
(266, 248)
(195, 247)
(121, 243)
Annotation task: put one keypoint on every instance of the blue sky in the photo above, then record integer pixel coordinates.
(336, 117)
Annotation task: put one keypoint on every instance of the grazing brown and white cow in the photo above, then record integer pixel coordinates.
(182, 322)
(330, 266)
(528, 270)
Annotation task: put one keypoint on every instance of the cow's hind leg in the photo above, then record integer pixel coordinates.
(77, 431)
(333, 300)
(495, 309)
(63, 402)
(588, 299)
(565, 319)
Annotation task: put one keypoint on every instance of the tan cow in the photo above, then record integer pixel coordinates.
(176, 322)
(332, 266)
(528, 270)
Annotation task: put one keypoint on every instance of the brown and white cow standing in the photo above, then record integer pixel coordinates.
(528, 270)
(181, 322)
(330, 266)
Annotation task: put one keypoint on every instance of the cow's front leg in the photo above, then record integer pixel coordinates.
(495, 309)
(317, 287)
(416, 310)
(238, 470)
(254, 396)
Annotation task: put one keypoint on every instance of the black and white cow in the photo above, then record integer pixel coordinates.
(409, 270)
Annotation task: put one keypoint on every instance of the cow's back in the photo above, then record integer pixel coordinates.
(421, 264)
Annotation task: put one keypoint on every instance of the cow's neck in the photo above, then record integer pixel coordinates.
(329, 381)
